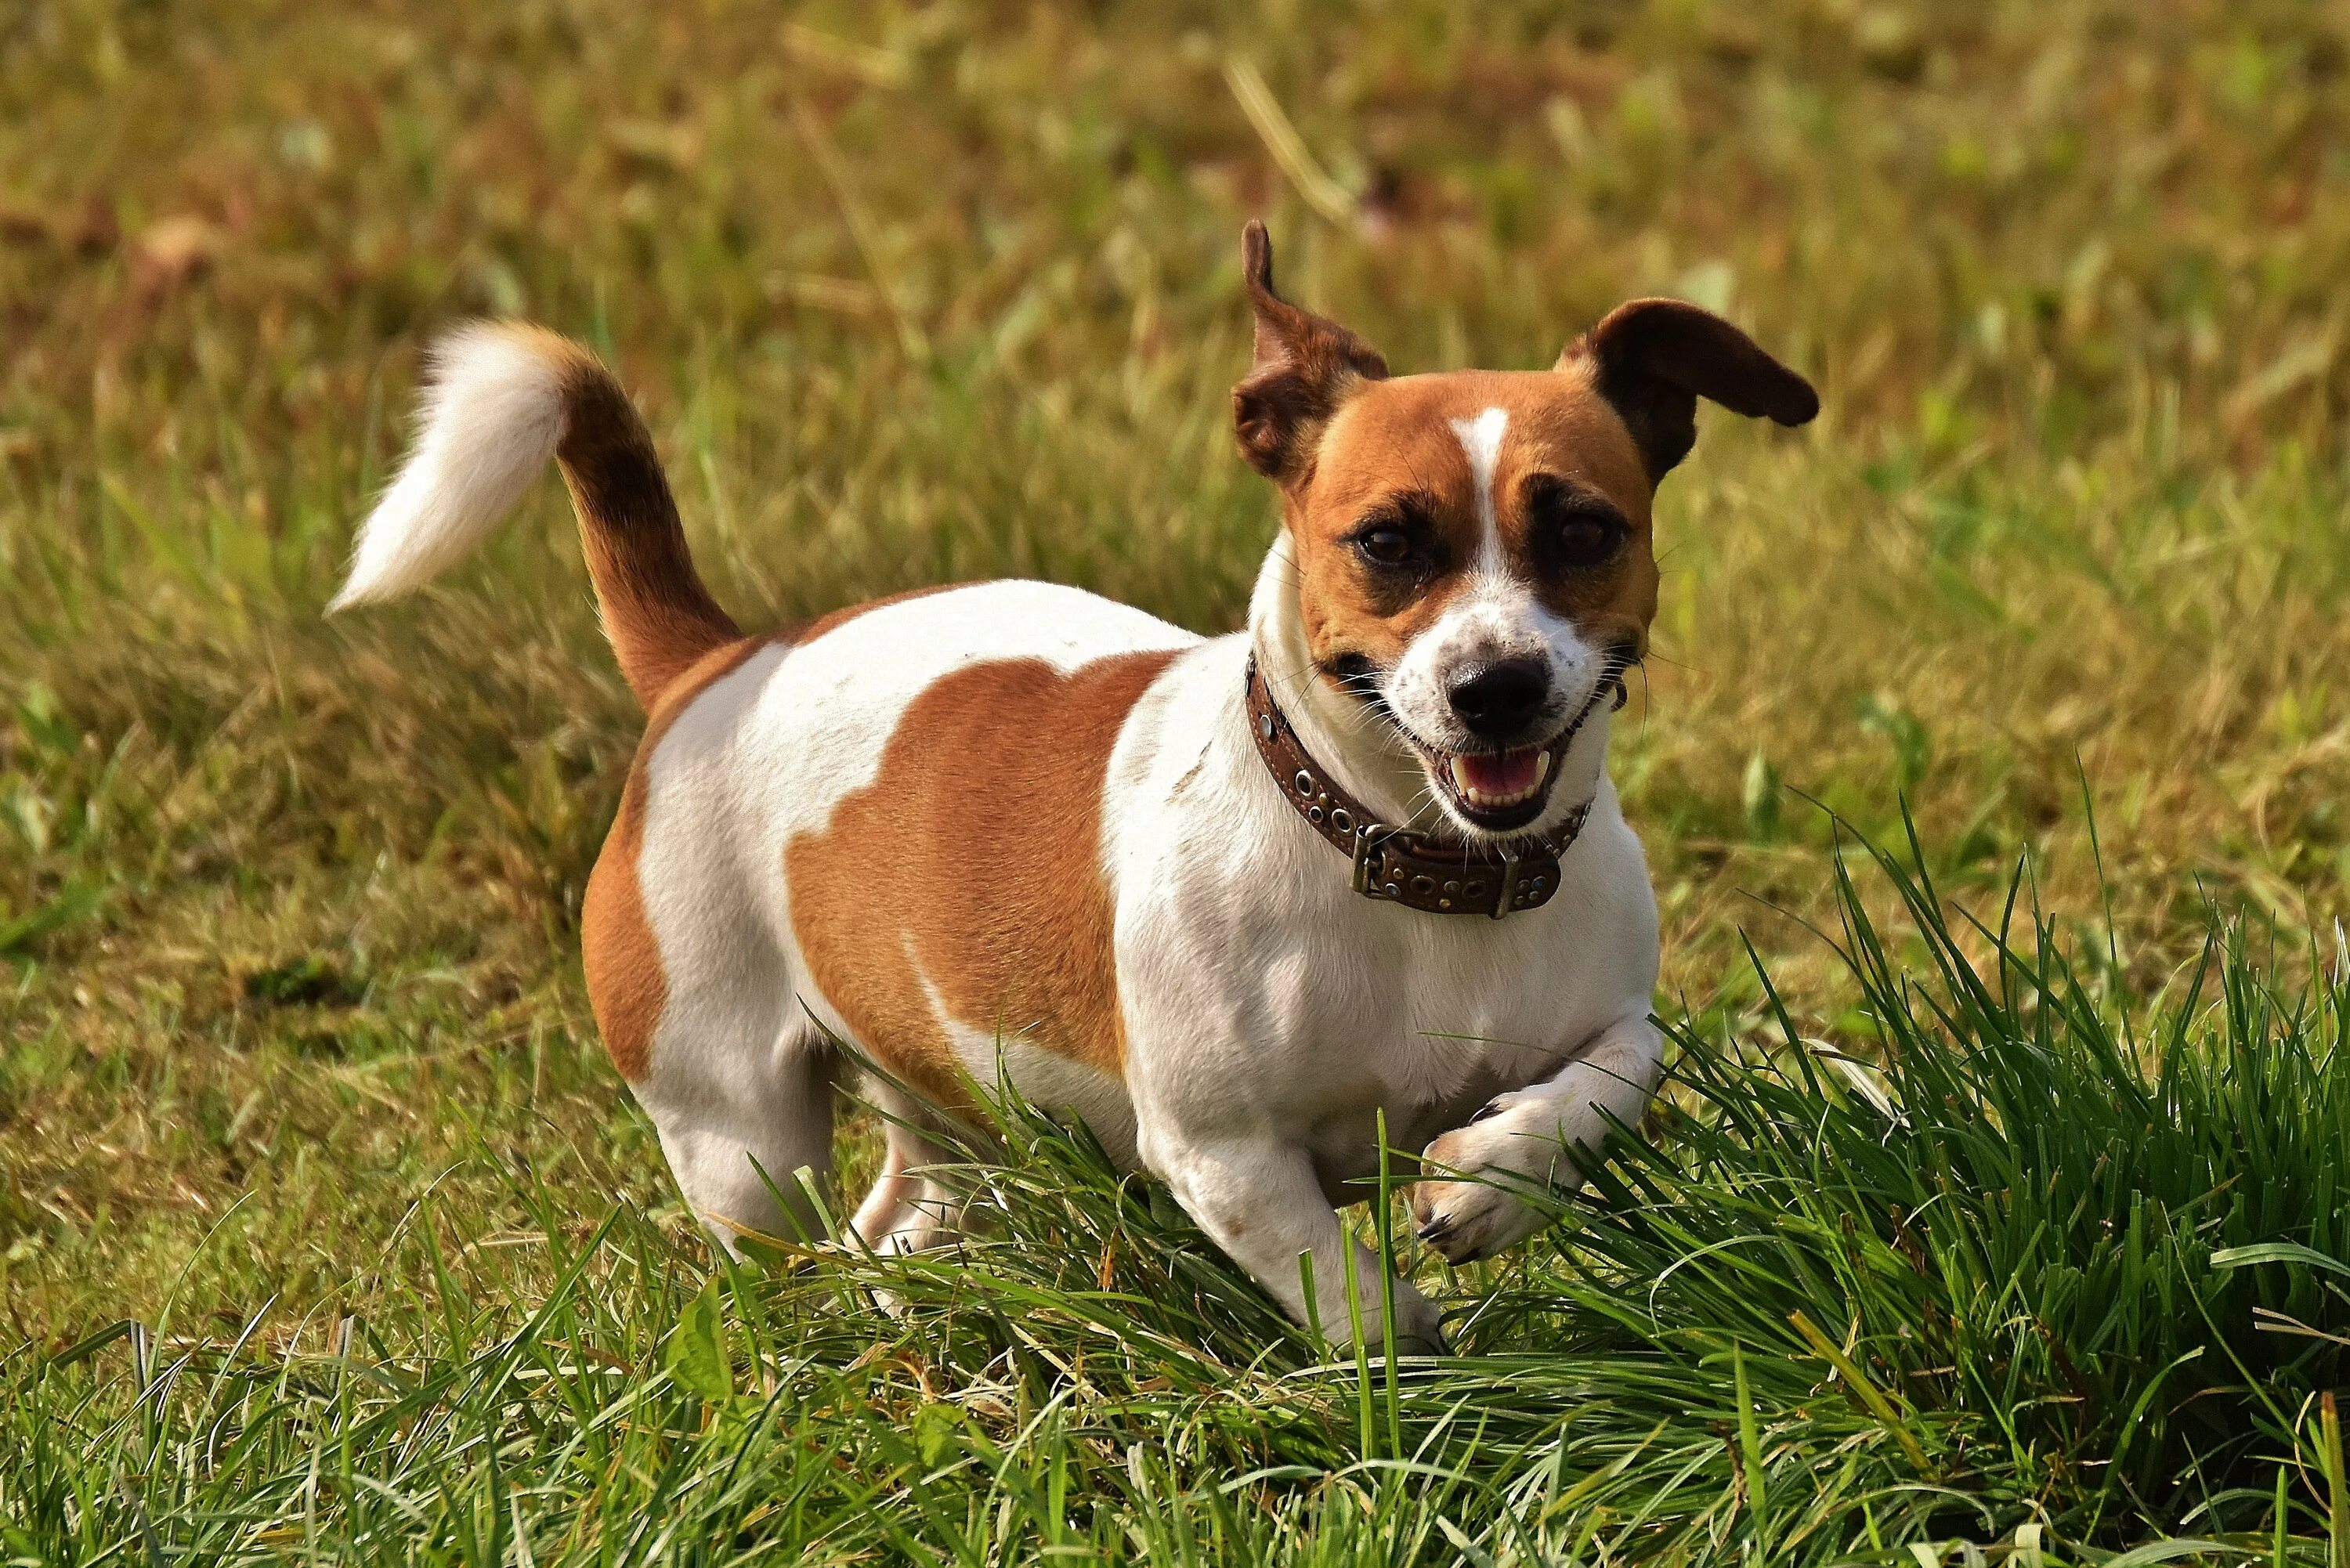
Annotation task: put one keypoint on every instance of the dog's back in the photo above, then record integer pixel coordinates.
(886, 823)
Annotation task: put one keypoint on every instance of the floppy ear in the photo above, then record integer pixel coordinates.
(1654, 358)
(1306, 367)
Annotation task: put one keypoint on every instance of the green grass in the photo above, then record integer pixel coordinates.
(295, 1069)
(2058, 1270)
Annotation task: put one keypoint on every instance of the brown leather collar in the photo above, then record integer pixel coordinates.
(1397, 864)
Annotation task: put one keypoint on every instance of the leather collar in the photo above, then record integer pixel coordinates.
(1399, 864)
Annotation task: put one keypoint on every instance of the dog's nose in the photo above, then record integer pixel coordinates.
(1501, 698)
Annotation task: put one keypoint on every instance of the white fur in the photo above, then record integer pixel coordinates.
(1271, 1013)
(1480, 437)
(1496, 618)
(1535, 1135)
(491, 421)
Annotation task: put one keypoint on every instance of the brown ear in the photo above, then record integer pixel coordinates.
(1307, 365)
(1654, 358)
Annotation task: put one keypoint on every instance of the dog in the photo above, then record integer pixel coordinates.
(1231, 900)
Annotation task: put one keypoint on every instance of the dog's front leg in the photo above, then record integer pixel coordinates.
(1261, 1203)
(1536, 1134)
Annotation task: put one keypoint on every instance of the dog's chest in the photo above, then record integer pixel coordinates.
(1423, 1028)
(1310, 1013)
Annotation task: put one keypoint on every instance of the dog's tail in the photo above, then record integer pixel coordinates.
(504, 399)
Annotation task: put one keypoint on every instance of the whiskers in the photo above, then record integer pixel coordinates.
(1366, 716)
(1615, 664)
(1358, 678)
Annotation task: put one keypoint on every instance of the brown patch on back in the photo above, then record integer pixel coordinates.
(974, 862)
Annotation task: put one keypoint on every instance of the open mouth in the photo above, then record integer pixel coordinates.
(1501, 792)
(1498, 790)
(1500, 780)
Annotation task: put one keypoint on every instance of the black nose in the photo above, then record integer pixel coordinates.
(1502, 698)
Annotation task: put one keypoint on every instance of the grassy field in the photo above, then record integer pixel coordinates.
(326, 1234)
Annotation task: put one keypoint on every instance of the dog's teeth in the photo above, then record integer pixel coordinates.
(1487, 800)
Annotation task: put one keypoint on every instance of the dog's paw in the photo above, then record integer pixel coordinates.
(1432, 1343)
(1464, 1220)
(1419, 1325)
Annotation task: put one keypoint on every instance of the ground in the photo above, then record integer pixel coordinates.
(298, 1094)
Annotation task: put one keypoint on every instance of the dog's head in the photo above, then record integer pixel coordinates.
(1473, 550)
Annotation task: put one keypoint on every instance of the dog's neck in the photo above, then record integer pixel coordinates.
(1357, 744)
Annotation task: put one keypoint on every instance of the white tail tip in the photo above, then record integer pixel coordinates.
(489, 421)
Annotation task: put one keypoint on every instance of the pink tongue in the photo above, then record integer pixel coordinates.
(1506, 774)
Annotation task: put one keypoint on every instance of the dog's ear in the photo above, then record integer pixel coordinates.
(1306, 367)
(1653, 359)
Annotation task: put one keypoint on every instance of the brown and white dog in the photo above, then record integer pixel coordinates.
(1011, 827)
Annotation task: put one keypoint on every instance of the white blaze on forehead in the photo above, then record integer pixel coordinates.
(1480, 437)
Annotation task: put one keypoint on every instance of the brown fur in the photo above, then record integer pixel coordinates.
(658, 616)
(627, 987)
(1396, 438)
(972, 861)
(1652, 359)
(1307, 365)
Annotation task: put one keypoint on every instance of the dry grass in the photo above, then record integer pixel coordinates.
(923, 295)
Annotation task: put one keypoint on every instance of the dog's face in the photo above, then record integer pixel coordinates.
(1473, 549)
(1473, 558)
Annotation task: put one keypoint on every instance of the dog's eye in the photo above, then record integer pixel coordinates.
(1399, 542)
(1585, 540)
(1571, 530)
(1385, 545)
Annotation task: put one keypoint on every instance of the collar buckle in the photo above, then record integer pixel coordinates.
(1509, 886)
(1369, 839)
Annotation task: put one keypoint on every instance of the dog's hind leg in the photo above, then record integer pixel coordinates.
(747, 1129)
(906, 1210)
(885, 1203)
